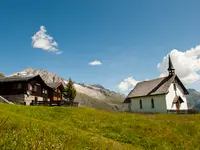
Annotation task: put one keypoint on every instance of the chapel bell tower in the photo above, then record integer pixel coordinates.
(171, 69)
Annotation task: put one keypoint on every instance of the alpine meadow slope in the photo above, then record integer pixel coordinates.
(79, 128)
(95, 96)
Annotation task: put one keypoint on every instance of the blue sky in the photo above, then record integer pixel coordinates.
(129, 37)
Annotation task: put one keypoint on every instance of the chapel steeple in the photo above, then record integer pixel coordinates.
(171, 69)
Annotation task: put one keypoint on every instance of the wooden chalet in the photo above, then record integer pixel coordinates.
(57, 94)
(32, 90)
(25, 90)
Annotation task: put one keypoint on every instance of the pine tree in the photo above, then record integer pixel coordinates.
(70, 91)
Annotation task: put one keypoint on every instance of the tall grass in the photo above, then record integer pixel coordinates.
(26, 127)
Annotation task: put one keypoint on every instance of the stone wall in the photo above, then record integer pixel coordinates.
(22, 99)
(30, 98)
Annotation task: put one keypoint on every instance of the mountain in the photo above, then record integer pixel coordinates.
(193, 99)
(95, 95)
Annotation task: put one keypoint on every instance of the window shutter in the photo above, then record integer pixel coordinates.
(29, 87)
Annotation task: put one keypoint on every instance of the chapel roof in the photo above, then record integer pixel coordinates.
(154, 87)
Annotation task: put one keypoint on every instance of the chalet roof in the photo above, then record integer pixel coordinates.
(22, 79)
(54, 85)
(154, 87)
(16, 78)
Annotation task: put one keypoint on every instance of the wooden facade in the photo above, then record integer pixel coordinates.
(19, 85)
(57, 94)
(38, 88)
(30, 89)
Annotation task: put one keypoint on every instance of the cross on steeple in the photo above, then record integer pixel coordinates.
(171, 69)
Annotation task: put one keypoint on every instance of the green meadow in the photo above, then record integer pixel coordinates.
(68, 128)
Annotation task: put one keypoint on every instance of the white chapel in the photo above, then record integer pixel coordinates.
(161, 95)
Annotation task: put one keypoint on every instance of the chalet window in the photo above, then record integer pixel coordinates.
(152, 103)
(140, 104)
(14, 86)
(30, 87)
(19, 86)
(44, 91)
(35, 88)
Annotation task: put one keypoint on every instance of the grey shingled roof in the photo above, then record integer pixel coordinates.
(154, 87)
(25, 78)
(16, 78)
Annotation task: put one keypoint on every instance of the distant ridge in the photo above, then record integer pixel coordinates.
(193, 99)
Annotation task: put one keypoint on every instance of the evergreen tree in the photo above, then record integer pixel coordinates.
(70, 91)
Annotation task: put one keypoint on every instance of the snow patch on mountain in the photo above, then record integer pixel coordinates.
(89, 91)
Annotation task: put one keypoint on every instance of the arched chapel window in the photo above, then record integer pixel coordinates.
(140, 104)
(152, 103)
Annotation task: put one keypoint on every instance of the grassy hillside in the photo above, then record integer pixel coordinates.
(32, 127)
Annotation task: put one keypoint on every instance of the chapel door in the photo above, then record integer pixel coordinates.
(178, 106)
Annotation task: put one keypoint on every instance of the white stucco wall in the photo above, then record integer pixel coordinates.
(159, 104)
(171, 95)
(125, 107)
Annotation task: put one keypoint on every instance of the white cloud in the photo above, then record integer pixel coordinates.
(186, 64)
(94, 63)
(59, 52)
(44, 41)
(127, 84)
